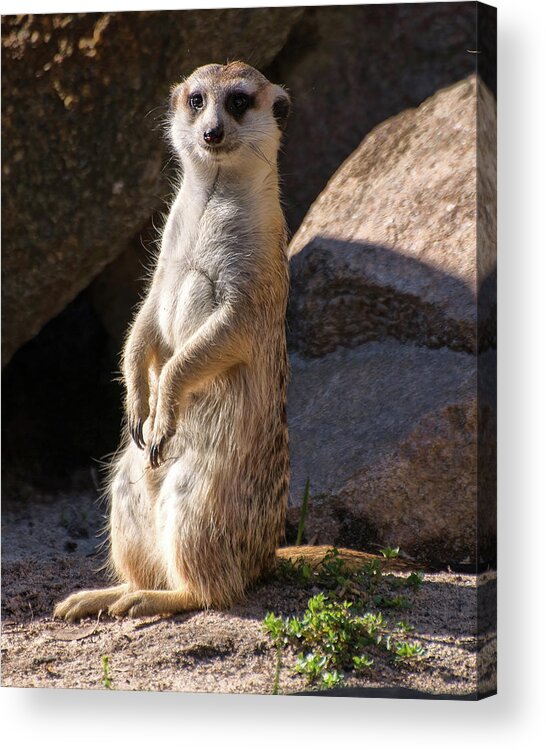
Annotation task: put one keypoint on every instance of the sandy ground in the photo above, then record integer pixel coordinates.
(50, 548)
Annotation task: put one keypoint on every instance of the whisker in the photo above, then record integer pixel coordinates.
(255, 150)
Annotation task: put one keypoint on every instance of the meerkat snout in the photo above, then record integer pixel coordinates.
(214, 136)
(228, 114)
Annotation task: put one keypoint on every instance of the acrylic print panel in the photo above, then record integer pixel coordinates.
(140, 197)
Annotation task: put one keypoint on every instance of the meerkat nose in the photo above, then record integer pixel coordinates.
(214, 135)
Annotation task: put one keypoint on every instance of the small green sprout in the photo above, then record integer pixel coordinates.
(415, 580)
(362, 662)
(406, 651)
(332, 679)
(390, 552)
(277, 671)
(106, 680)
(303, 513)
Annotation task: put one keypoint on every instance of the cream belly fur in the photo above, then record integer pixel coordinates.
(199, 490)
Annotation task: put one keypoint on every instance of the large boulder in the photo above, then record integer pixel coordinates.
(353, 407)
(389, 247)
(349, 68)
(82, 149)
(386, 435)
(390, 417)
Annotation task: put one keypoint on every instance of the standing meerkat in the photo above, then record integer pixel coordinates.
(199, 491)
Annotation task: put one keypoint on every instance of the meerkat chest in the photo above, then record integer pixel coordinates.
(208, 247)
(185, 300)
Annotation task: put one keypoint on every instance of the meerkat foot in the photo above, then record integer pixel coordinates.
(146, 603)
(88, 603)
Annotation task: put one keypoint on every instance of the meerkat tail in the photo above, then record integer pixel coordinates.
(354, 559)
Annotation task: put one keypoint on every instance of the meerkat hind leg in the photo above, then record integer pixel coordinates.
(88, 603)
(145, 603)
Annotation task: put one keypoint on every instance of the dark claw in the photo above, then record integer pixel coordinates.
(136, 434)
(155, 454)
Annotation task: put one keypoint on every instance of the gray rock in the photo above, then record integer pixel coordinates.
(386, 434)
(389, 247)
(82, 149)
(396, 430)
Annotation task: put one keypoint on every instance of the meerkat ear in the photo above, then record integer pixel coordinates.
(281, 107)
(176, 91)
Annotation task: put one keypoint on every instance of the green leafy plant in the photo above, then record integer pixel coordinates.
(344, 624)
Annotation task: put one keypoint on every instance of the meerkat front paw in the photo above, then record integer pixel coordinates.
(163, 428)
(136, 431)
(155, 453)
(136, 416)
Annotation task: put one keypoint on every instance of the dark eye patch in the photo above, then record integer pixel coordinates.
(237, 103)
(281, 110)
(196, 101)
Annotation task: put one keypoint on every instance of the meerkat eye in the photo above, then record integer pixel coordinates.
(238, 103)
(196, 101)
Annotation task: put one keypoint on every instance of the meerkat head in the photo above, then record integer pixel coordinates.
(227, 114)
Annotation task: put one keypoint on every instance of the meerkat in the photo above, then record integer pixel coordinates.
(198, 494)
